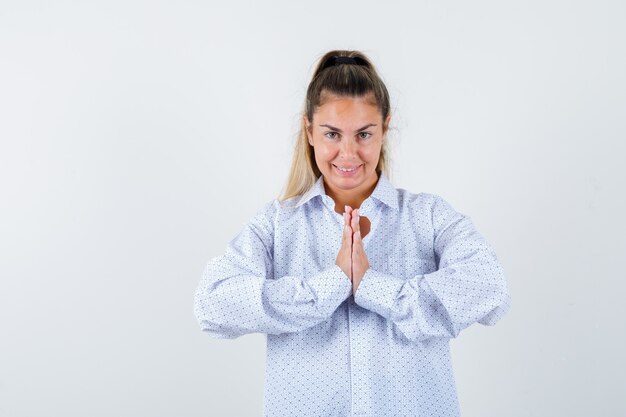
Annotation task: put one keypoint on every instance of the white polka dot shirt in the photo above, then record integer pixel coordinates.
(385, 350)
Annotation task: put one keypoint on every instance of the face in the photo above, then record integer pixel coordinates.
(347, 135)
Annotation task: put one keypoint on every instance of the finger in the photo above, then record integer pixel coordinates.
(355, 220)
(347, 234)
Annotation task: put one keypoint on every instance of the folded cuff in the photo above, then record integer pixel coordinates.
(378, 292)
(331, 287)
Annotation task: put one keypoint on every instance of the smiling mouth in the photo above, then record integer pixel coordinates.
(347, 169)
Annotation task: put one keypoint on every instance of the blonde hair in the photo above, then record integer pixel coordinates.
(356, 79)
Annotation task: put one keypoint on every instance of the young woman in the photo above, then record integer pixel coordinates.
(358, 285)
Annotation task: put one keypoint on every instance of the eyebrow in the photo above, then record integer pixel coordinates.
(340, 131)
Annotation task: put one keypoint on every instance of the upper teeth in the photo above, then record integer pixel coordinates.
(347, 170)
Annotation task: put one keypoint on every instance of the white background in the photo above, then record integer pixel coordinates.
(137, 138)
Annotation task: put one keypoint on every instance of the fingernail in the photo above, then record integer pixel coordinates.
(345, 208)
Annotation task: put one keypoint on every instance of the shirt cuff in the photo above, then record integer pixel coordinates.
(331, 287)
(377, 292)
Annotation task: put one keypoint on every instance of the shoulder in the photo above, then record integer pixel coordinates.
(274, 210)
(287, 204)
(423, 200)
(427, 205)
(262, 221)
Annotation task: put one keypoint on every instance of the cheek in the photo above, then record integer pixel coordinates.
(326, 151)
(370, 153)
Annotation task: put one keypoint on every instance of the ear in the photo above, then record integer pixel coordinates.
(386, 124)
(307, 128)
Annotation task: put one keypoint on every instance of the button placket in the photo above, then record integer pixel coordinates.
(359, 364)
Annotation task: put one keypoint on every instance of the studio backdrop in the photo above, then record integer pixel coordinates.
(137, 139)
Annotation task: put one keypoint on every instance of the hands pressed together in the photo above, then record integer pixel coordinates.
(351, 257)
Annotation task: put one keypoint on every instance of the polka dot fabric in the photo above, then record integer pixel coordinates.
(383, 352)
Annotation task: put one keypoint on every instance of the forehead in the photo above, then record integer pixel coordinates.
(347, 111)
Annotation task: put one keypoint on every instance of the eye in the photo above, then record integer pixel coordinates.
(331, 135)
(364, 135)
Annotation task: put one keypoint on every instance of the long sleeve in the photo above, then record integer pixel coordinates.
(469, 285)
(238, 293)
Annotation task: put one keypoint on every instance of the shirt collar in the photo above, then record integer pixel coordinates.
(384, 192)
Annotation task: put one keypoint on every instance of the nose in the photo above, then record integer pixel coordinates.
(347, 149)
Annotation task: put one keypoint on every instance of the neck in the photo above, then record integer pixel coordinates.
(352, 198)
